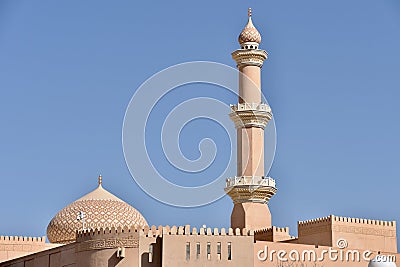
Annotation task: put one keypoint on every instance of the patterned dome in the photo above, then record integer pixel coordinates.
(249, 34)
(97, 209)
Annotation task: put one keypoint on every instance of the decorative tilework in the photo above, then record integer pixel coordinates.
(249, 34)
(100, 213)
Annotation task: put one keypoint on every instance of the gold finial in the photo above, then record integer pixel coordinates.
(249, 12)
(100, 179)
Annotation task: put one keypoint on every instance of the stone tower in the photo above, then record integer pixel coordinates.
(250, 190)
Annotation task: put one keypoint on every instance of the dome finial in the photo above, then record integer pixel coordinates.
(100, 179)
(249, 38)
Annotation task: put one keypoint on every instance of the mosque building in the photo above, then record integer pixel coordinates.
(101, 230)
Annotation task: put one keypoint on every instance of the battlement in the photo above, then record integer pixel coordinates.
(273, 234)
(154, 231)
(284, 230)
(363, 221)
(313, 222)
(332, 218)
(187, 230)
(101, 233)
(18, 246)
(358, 233)
(22, 239)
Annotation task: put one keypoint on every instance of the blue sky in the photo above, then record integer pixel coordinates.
(69, 68)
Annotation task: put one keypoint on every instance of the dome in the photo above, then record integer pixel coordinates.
(249, 34)
(98, 209)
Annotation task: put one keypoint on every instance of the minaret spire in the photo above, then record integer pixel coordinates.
(250, 190)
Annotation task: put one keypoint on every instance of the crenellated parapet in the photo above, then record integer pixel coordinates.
(22, 239)
(357, 232)
(315, 225)
(364, 233)
(146, 231)
(197, 246)
(187, 230)
(93, 239)
(316, 231)
(273, 234)
(326, 219)
(272, 229)
(154, 231)
(363, 221)
(18, 246)
(333, 218)
(338, 220)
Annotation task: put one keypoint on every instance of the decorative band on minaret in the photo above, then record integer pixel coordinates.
(250, 190)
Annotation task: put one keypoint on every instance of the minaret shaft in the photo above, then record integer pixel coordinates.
(250, 152)
(250, 190)
(251, 115)
(249, 77)
(250, 140)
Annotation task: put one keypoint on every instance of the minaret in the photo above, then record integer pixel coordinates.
(250, 190)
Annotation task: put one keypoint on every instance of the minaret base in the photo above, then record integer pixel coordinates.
(252, 216)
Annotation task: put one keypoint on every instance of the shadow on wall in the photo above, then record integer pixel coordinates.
(153, 257)
(113, 260)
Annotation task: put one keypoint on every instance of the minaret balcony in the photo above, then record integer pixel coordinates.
(252, 57)
(258, 189)
(250, 115)
(250, 180)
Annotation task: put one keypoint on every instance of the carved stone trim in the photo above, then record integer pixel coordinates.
(250, 189)
(126, 242)
(250, 57)
(363, 230)
(250, 115)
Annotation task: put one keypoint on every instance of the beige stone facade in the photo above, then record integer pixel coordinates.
(101, 230)
(186, 246)
(18, 246)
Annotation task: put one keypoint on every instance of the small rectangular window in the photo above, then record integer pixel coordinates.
(198, 250)
(187, 251)
(208, 250)
(219, 250)
(151, 253)
(229, 251)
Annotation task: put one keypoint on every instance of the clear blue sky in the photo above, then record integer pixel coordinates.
(69, 68)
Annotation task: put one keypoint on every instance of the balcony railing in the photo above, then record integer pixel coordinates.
(250, 180)
(250, 106)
